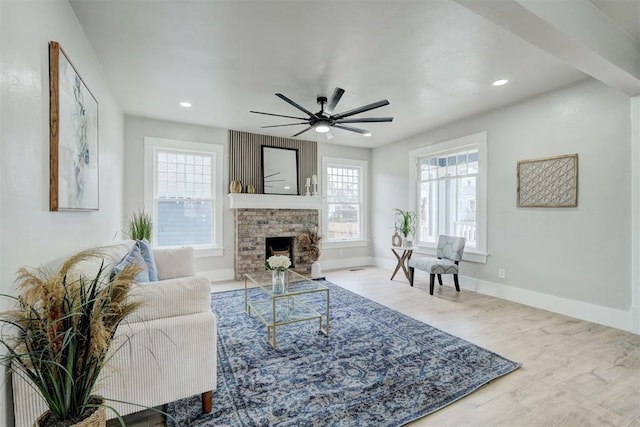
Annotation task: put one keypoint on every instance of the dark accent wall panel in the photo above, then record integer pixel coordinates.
(245, 158)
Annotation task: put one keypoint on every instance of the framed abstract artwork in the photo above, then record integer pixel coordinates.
(551, 182)
(73, 137)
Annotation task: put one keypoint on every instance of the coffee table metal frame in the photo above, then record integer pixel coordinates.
(278, 309)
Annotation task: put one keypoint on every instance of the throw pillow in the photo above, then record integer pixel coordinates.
(174, 262)
(134, 257)
(147, 255)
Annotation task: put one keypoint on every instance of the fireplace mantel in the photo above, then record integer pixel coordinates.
(273, 201)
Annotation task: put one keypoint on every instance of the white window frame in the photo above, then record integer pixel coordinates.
(216, 151)
(343, 162)
(479, 141)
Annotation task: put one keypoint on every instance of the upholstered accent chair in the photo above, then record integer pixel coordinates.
(449, 254)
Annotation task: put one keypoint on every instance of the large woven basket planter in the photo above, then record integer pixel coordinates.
(96, 419)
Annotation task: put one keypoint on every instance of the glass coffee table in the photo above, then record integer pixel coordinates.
(276, 307)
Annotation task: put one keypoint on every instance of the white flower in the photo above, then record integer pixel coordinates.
(278, 262)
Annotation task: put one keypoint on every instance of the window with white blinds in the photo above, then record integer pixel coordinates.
(185, 193)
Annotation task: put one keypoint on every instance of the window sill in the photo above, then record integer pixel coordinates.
(334, 244)
(468, 255)
(208, 252)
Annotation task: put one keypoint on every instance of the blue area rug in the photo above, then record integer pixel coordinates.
(377, 367)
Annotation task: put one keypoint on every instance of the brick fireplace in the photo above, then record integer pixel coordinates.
(254, 225)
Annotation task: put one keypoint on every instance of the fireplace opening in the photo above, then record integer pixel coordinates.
(280, 246)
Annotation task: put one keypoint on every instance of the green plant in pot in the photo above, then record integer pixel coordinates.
(405, 224)
(140, 225)
(59, 332)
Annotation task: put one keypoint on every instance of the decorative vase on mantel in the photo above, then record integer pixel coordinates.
(235, 186)
(278, 281)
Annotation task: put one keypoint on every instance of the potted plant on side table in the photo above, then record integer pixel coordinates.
(405, 224)
(59, 333)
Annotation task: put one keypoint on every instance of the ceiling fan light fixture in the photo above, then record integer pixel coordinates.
(366, 134)
(322, 127)
(500, 82)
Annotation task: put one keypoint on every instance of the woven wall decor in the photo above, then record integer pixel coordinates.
(551, 182)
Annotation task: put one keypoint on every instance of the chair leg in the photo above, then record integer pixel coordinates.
(455, 280)
(440, 279)
(411, 273)
(207, 403)
(431, 283)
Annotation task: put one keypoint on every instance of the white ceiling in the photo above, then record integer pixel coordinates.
(433, 60)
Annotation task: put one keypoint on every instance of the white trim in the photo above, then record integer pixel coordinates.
(151, 144)
(480, 140)
(335, 244)
(364, 214)
(602, 315)
(335, 264)
(273, 201)
(635, 212)
(221, 275)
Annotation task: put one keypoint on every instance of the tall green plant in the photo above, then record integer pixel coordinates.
(60, 332)
(405, 222)
(140, 225)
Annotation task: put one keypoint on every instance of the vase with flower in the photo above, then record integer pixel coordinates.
(278, 264)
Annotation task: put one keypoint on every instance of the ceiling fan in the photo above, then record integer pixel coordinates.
(324, 120)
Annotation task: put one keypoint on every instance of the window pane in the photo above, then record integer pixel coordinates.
(428, 213)
(183, 199)
(184, 222)
(344, 196)
(447, 196)
(344, 221)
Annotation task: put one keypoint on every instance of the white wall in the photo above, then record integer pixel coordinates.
(580, 254)
(30, 234)
(136, 128)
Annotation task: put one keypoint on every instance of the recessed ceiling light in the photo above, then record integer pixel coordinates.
(185, 104)
(366, 134)
(500, 82)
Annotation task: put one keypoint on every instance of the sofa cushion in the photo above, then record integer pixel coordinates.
(147, 254)
(133, 257)
(174, 262)
(170, 298)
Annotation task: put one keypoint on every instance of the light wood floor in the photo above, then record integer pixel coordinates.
(574, 373)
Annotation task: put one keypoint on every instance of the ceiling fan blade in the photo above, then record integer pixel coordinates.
(366, 120)
(361, 109)
(333, 101)
(299, 107)
(288, 124)
(352, 129)
(278, 115)
(301, 132)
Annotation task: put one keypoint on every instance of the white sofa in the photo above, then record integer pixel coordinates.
(171, 353)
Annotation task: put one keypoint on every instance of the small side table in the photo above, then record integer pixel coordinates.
(403, 254)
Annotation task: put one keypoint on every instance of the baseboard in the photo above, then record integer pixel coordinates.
(615, 318)
(607, 316)
(334, 264)
(218, 275)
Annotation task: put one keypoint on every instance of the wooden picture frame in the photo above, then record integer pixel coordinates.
(550, 182)
(73, 137)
